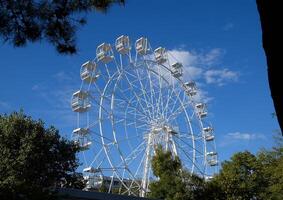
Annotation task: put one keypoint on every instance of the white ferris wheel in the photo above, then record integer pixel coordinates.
(129, 102)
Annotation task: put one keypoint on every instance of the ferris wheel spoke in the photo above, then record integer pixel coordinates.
(95, 158)
(143, 110)
(143, 93)
(131, 120)
(175, 102)
(101, 136)
(150, 87)
(134, 154)
(178, 111)
(129, 138)
(121, 108)
(189, 145)
(160, 96)
(189, 158)
(169, 97)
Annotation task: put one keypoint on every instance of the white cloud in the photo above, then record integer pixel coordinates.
(227, 27)
(185, 57)
(63, 76)
(4, 105)
(201, 66)
(220, 77)
(244, 136)
(210, 58)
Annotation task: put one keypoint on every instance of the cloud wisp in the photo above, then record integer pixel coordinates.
(220, 77)
(202, 66)
(244, 136)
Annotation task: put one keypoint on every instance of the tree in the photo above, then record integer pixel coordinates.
(174, 182)
(241, 177)
(270, 16)
(167, 168)
(56, 21)
(34, 159)
(273, 171)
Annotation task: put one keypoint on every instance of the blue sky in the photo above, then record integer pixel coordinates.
(219, 41)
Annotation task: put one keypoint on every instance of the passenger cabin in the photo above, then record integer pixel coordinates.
(207, 133)
(88, 72)
(211, 153)
(80, 101)
(190, 88)
(160, 55)
(211, 158)
(122, 44)
(86, 145)
(91, 170)
(81, 131)
(104, 53)
(142, 46)
(177, 70)
(212, 162)
(201, 110)
(96, 181)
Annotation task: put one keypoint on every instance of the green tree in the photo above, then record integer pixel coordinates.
(241, 177)
(56, 21)
(174, 182)
(195, 186)
(273, 171)
(34, 159)
(167, 168)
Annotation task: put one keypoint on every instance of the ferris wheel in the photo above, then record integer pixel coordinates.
(130, 101)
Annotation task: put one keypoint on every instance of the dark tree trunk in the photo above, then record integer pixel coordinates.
(271, 17)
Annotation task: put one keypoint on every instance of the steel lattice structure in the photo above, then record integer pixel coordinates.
(129, 102)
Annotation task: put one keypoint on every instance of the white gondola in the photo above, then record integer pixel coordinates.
(91, 170)
(122, 44)
(211, 158)
(190, 88)
(211, 153)
(80, 101)
(160, 55)
(207, 132)
(104, 53)
(93, 182)
(177, 70)
(88, 72)
(81, 131)
(85, 146)
(212, 162)
(201, 110)
(207, 129)
(209, 137)
(142, 46)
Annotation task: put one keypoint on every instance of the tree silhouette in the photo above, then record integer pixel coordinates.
(270, 16)
(23, 21)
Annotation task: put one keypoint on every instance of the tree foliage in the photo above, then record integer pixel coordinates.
(248, 176)
(34, 159)
(244, 177)
(174, 183)
(170, 185)
(57, 21)
(240, 177)
(273, 171)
